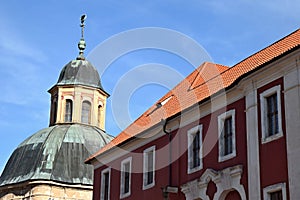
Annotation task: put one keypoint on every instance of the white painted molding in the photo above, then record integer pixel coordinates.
(145, 168)
(122, 181)
(254, 190)
(107, 170)
(226, 180)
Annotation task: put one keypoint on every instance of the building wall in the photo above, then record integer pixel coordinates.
(272, 170)
(179, 147)
(161, 179)
(211, 151)
(79, 94)
(45, 191)
(292, 118)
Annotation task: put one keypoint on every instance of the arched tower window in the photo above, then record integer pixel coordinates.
(68, 110)
(53, 111)
(86, 112)
(99, 114)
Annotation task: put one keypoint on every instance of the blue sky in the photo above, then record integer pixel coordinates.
(37, 38)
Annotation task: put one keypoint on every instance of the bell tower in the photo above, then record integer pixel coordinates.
(78, 96)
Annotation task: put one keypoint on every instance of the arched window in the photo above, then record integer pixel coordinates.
(53, 111)
(86, 112)
(99, 114)
(68, 110)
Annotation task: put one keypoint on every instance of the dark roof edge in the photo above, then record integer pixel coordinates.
(50, 182)
(93, 157)
(82, 85)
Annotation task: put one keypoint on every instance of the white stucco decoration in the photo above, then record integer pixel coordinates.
(226, 180)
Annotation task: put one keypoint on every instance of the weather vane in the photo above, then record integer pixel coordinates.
(82, 44)
(82, 19)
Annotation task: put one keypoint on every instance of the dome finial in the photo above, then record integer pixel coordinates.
(81, 43)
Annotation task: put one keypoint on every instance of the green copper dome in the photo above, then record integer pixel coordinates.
(56, 153)
(80, 72)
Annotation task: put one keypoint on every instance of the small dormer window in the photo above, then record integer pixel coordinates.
(68, 110)
(86, 112)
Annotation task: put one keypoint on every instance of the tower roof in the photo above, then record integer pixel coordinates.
(55, 153)
(80, 72)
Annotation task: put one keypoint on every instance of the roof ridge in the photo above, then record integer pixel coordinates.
(211, 78)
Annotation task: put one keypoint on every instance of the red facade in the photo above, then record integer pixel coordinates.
(179, 159)
(273, 155)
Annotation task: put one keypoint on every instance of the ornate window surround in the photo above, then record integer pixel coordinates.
(226, 180)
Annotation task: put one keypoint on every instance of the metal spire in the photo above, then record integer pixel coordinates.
(81, 43)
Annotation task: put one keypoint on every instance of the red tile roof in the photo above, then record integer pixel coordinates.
(206, 80)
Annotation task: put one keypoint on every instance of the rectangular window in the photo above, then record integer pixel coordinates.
(149, 168)
(194, 149)
(275, 192)
(271, 125)
(226, 129)
(105, 184)
(125, 177)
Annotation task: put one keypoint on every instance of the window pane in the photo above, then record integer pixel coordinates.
(99, 114)
(196, 150)
(126, 177)
(68, 110)
(54, 111)
(106, 186)
(227, 136)
(150, 167)
(86, 112)
(276, 195)
(272, 115)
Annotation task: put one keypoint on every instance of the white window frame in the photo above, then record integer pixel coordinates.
(263, 114)
(221, 120)
(123, 163)
(191, 135)
(145, 168)
(274, 188)
(107, 170)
